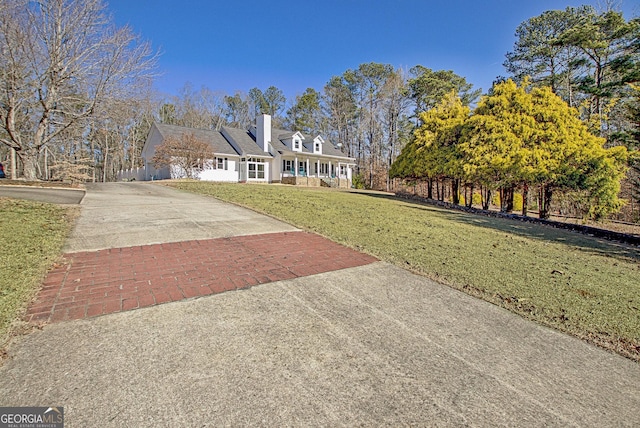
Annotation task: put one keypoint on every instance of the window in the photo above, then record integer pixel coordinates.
(296, 145)
(219, 163)
(343, 170)
(324, 168)
(287, 166)
(317, 147)
(255, 169)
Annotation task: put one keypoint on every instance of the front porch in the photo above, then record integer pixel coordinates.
(342, 183)
(315, 172)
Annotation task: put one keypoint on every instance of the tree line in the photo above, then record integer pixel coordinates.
(369, 111)
(572, 125)
(517, 138)
(76, 100)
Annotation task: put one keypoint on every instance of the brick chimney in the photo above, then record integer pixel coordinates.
(263, 131)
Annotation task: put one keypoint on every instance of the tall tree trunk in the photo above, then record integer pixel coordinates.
(525, 198)
(546, 204)
(470, 200)
(29, 160)
(507, 203)
(14, 165)
(455, 186)
(133, 154)
(430, 188)
(46, 164)
(485, 192)
(106, 159)
(540, 201)
(95, 161)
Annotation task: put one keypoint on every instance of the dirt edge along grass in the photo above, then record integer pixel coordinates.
(32, 234)
(581, 285)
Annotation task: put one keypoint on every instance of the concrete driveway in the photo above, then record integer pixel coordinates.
(127, 214)
(372, 345)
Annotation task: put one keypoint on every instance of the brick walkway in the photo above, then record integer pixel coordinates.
(107, 281)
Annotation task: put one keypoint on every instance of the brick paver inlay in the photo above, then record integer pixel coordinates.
(101, 282)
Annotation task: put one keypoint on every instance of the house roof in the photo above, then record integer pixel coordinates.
(243, 142)
(331, 150)
(239, 142)
(278, 145)
(282, 134)
(215, 139)
(277, 135)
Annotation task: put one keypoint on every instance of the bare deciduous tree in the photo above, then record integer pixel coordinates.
(203, 108)
(238, 110)
(59, 60)
(187, 155)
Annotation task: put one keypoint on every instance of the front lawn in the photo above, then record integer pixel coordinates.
(31, 239)
(578, 284)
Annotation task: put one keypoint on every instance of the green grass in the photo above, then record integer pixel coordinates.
(31, 239)
(578, 284)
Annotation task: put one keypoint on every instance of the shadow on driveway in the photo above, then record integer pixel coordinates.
(43, 194)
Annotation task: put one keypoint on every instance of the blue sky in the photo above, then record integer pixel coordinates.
(240, 44)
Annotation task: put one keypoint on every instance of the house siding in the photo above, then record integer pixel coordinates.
(150, 171)
(209, 173)
(227, 175)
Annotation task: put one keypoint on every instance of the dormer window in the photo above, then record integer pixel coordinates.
(317, 144)
(294, 142)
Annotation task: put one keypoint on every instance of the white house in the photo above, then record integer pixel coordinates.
(262, 153)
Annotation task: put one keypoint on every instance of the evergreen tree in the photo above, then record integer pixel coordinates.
(534, 138)
(427, 88)
(304, 113)
(433, 153)
(539, 55)
(609, 50)
(587, 58)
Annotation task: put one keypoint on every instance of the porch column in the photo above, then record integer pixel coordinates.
(307, 169)
(295, 167)
(318, 168)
